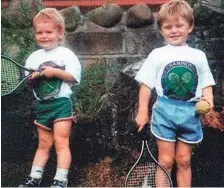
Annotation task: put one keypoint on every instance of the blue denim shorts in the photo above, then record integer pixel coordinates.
(173, 119)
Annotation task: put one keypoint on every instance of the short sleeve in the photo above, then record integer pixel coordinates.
(205, 73)
(73, 66)
(31, 62)
(148, 72)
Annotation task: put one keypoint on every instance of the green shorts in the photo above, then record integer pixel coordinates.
(49, 112)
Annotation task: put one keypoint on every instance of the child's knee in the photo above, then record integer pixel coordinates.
(183, 161)
(166, 161)
(61, 143)
(45, 144)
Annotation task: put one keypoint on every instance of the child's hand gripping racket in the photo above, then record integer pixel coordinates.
(13, 76)
(47, 88)
(147, 172)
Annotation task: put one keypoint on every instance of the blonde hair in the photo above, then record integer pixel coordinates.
(52, 14)
(178, 8)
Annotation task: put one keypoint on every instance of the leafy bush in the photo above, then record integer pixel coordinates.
(94, 84)
(192, 2)
(18, 44)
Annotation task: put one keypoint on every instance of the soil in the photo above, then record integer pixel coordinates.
(207, 166)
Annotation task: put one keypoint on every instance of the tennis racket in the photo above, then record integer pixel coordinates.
(13, 77)
(147, 172)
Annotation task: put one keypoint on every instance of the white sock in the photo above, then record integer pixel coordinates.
(36, 172)
(61, 174)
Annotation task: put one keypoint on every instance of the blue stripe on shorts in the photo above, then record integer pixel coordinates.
(173, 119)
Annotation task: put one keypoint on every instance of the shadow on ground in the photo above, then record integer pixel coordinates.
(207, 166)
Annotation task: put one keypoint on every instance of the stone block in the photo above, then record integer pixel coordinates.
(96, 43)
(142, 41)
(86, 62)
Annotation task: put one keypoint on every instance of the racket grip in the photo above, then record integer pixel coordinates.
(31, 82)
(144, 132)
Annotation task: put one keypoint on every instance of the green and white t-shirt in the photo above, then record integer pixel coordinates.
(62, 57)
(176, 72)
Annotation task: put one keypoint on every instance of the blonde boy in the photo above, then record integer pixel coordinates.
(181, 76)
(53, 113)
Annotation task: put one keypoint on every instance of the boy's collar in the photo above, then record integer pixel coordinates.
(51, 48)
(177, 46)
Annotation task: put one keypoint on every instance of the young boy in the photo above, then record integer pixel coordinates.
(181, 76)
(53, 112)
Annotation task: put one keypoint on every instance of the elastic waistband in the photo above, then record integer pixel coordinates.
(61, 99)
(176, 102)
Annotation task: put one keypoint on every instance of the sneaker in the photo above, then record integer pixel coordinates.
(59, 184)
(30, 182)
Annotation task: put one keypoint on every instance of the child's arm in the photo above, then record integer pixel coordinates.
(207, 94)
(50, 72)
(142, 116)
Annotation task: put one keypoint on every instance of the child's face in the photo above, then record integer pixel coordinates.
(175, 30)
(47, 35)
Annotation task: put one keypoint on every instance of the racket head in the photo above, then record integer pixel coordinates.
(174, 78)
(187, 77)
(12, 75)
(147, 172)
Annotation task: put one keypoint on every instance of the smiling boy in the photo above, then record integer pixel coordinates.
(54, 115)
(181, 76)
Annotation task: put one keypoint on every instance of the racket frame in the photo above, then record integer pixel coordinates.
(21, 72)
(16, 63)
(145, 143)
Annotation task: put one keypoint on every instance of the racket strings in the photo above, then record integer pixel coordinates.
(148, 175)
(10, 76)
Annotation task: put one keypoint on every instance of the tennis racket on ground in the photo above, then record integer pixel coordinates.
(13, 77)
(147, 172)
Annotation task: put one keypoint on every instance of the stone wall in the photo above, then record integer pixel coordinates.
(133, 44)
(113, 34)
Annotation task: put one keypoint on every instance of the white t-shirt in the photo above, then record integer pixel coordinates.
(176, 72)
(62, 56)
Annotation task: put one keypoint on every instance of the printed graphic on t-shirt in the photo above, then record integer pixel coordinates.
(47, 88)
(179, 80)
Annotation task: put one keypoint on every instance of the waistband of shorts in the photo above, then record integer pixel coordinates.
(176, 102)
(61, 99)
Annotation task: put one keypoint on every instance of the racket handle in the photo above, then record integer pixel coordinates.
(144, 132)
(31, 82)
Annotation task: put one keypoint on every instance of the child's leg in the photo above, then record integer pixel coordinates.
(166, 151)
(166, 154)
(45, 142)
(183, 160)
(62, 131)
